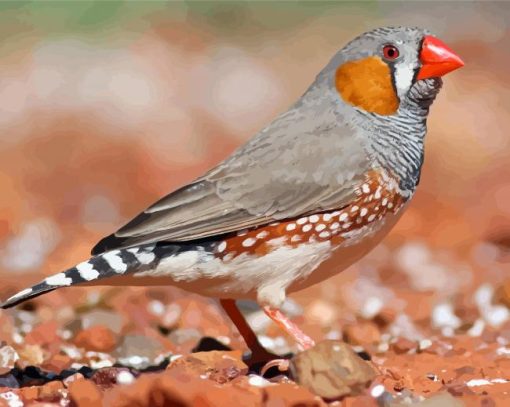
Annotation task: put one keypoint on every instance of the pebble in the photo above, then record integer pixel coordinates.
(8, 357)
(362, 333)
(72, 378)
(219, 366)
(107, 318)
(85, 393)
(403, 345)
(332, 370)
(97, 338)
(108, 377)
(11, 399)
(138, 351)
(258, 381)
(125, 377)
(182, 335)
(9, 380)
(31, 355)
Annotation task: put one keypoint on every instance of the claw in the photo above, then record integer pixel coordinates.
(281, 364)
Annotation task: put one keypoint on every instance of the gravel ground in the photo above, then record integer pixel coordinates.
(423, 320)
(155, 347)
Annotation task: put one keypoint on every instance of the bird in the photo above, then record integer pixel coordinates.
(307, 196)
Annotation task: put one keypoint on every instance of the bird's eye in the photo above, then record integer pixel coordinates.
(390, 52)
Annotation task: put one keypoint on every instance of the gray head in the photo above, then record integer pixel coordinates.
(377, 71)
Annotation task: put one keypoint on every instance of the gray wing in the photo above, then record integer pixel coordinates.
(292, 167)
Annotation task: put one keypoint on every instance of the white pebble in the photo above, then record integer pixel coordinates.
(125, 377)
(377, 391)
(259, 381)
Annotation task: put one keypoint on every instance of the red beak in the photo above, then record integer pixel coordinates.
(437, 59)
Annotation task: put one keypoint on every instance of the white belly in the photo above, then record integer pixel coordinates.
(267, 278)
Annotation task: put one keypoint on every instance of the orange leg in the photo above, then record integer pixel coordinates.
(258, 353)
(303, 340)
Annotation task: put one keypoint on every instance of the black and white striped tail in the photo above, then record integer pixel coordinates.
(109, 264)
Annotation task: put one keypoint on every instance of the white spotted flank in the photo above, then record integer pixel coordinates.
(222, 246)
(248, 242)
(302, 221)
(314, 218)
(262, 234)
(320, 227)
(291, 226)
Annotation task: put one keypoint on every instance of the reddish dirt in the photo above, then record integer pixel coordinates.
(428, 309)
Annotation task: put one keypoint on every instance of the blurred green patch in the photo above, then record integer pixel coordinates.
(89, 16)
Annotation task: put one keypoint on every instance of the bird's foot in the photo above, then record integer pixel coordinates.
(281, 364)
(260, 361)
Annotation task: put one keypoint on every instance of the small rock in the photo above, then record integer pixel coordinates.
(98, 338)
(403, 345)
(162, 389)
(125, 377)
(44, 334)
(30, 355)
(57, 363)
(171, 315)
(102, 317)
(51, 391)
(362, 333)
(183, 335)
(84, 393)
(10, 399)
(502, 294)
(138, 352)
(385, 317)
(321, 312)
(8, 358)
(219, 366)
(29, 394)
(72, 378)
(332, 370)
(439, 400)
(359, 401)
(98, 360)
(289, 394)
(8, 380)
(108, 377)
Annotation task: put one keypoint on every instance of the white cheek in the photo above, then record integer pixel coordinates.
(403, 78)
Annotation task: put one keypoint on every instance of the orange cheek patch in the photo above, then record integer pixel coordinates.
(366, 84)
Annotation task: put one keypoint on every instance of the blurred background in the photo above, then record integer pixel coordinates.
(107, 106)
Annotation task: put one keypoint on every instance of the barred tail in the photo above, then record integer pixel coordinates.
(109, 264)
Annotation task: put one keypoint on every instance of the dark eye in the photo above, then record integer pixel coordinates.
(390, 52)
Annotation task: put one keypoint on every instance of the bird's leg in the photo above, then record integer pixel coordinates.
(258, 353)
(303, 340)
